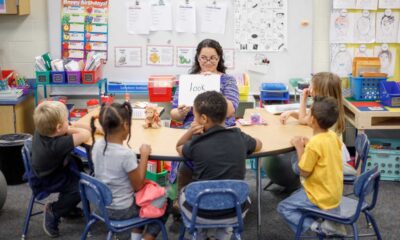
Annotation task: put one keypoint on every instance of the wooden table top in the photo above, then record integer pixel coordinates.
(274, 136)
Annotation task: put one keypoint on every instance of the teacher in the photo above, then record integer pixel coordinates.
(209, 59)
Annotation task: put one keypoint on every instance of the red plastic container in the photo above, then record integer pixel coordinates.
(160, 88)
(6, 73)
(91, 77)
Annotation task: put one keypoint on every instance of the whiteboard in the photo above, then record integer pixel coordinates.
(293, 63)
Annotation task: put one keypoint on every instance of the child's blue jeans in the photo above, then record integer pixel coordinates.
(289, 209)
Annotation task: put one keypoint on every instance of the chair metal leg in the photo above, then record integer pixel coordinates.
(194, 235)
(109, 235)
(355, 231)
(182, 230)
(374, 225)
(367, 219)
(164, 232)
(28, 217)
(87, 229)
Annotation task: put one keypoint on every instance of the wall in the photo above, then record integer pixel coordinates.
(321, 59)
(24, 37)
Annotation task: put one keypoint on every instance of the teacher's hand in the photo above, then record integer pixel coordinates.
(183, 110)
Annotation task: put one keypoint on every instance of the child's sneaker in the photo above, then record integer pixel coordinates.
(333, 228)
(50, 222)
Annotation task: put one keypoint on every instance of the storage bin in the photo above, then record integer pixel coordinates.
(91, 77)
(6, 73)
(42, 77)
(390, 94)
(365, 89)
(274, 91)
(58, 77)
(385, 153)
(160, 178)
(160, 88)
(74, 77)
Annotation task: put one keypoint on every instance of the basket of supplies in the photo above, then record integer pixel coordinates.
(366, 88)
(385, 153)
(274, 92)
(160, 88)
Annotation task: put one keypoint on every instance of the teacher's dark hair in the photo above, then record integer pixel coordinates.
(208, 43)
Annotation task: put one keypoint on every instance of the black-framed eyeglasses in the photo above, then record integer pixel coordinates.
(212, 59)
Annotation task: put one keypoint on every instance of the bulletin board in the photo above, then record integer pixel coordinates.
(294, 62)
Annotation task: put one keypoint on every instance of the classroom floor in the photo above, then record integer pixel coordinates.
(387, 214)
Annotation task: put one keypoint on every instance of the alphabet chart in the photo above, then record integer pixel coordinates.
(260, 25)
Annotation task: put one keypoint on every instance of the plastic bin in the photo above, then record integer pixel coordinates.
(58, 77)
(365, 89)
(160, 88)
(74, 77)
(390, 94)
(11, 163)
(385, 153)
(43, 77)
(161, 178)
(91, 77)
(274, 91)
(6, 73)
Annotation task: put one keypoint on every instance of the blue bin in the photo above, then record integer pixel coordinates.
(274, 92)
(390, 94)
(365, 89)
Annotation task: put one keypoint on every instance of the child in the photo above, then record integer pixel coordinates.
(320, 163)
(329, 85)
(52, 144)
(217, 152)
(118, 167)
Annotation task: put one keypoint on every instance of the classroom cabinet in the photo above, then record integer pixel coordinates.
(17, 116)
(16, 7)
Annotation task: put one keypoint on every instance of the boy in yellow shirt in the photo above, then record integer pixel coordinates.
(321, 165)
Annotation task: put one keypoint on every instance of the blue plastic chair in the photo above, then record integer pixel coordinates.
(362, 146)
(214, 195)
(29, 175)
(98, 195)
(350, 209)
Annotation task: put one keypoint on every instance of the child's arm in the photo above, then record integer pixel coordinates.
(194, 129)
(79, 135)
(258, 145)
(137, 176)
(299, 143)
(179, 113)
(99, 129)
(303, 115)
(285, 116)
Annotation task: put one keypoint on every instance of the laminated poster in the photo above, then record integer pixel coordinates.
(84, 28)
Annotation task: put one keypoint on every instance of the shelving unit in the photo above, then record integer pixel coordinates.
(101, 84)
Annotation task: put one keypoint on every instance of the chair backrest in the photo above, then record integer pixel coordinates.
(217, 194)
(366, 184)
(294, 82)
(96, 193)
(362, 145)
(26, 158)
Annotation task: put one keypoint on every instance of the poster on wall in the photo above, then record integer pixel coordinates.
(158, 55)
(2, 6)
(229, 57)
(128, 56)
(341, 59)
(185, 56)
(341, 27)
(260, 25)
(84, 28)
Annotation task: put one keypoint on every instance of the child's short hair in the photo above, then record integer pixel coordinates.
(48, 115)
(325, 110)
(212, 104)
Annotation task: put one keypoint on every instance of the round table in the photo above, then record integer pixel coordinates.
(274, 136)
